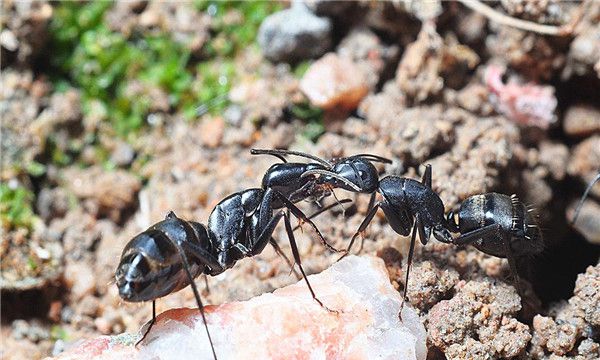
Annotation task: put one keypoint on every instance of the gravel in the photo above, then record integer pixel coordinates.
(431, 108)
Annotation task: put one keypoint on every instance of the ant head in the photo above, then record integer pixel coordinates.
(141, 273)
(358, 171)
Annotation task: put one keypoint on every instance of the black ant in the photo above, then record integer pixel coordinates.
(583, 197)
(409, 206)
(496, 224)
(172, 253)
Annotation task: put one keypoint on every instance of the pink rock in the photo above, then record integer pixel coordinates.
(103, 348)
(289, 324)
(526, 104)
(333, 81)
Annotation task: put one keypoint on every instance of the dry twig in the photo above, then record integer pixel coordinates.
(503, 19)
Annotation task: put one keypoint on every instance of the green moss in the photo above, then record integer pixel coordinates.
(58, 333)
(103, 63)
(213, 84)
(16, 207)
(235, 24)
(35, 169)
(300, 69)
(32, 264)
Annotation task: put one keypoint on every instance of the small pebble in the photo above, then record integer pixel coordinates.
(582, 120)
(294, 34)
(333, 81)
(122, 155)
(103, 325)
(81, 280)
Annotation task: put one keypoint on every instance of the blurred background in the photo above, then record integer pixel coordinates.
(114, 113)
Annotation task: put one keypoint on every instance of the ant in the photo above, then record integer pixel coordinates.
(496, 224)
(410, 206)
(169, 255)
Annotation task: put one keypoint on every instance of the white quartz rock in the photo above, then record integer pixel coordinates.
(289, 324)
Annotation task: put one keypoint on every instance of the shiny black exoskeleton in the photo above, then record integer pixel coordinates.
(169, 255)
(498, 225)
(298, 181)
(409, 205)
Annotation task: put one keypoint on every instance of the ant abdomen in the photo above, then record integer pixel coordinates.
(151, 258)
(507, 220)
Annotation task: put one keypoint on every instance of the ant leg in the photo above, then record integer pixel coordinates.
(296, 253)
(585, 195)
(203, 255)
(482, 233)
(282, 254)
(411, 252)
(512, 264)
(149, 326)
(426, 180)
(424, 233)
(302, 217)
(369, 207)
(196, 250)
(339, 203)
(361, 228)
(371, 201)
(206, 287)
(477, 234)
(186, 267)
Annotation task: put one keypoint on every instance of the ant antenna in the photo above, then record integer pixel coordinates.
(280, 157)
(585, 195)
(373, 158)
(278, 153)
(333, 175)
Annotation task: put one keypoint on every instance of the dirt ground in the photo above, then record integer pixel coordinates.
(491, 107)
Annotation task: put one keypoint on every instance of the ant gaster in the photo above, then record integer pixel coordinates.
(498, 225)
(169, 255)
